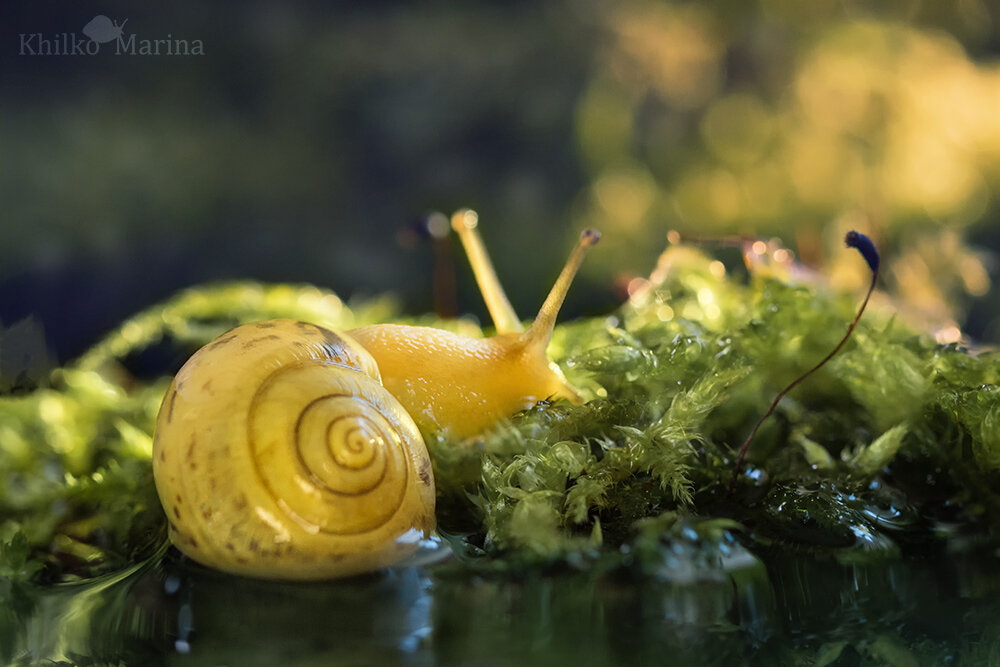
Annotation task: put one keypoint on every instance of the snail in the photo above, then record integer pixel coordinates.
(285, 450)
(101, 29)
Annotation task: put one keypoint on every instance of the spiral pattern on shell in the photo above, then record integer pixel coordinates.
(348, 460)
(279, 454)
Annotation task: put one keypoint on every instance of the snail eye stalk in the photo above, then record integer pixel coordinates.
(863, 245)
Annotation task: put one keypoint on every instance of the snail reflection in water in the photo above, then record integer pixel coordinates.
(285, 450)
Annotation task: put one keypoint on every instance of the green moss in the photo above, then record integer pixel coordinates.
(835, 469)
(895, 428)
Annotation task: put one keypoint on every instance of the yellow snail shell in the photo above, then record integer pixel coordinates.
(279, 454)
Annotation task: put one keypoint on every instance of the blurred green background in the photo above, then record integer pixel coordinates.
(309, 142)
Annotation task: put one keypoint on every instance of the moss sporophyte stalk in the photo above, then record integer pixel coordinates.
(892, 445)
(867, 249)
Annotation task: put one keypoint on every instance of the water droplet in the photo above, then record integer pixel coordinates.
(172, 584)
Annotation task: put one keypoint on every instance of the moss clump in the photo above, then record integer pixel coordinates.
(677, 380)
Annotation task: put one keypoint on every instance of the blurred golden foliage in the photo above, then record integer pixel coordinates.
(877, 125)
(309, 137)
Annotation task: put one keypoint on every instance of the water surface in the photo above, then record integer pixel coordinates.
(780, 609)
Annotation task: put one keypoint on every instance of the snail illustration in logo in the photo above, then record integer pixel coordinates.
(285, 450)
(101, 29)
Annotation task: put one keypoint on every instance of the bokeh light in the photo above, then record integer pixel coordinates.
(306, 143)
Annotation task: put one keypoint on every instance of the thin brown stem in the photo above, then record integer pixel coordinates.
(864, 245)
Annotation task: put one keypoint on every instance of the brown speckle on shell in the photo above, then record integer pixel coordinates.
(308, 329)
(425, 472)
(220, 342)
(170, 404)
(252, 343)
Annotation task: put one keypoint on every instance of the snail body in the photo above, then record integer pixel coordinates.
(457, 383)
(286, 450)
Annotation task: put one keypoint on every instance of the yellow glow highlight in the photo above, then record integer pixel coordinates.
(946, 335)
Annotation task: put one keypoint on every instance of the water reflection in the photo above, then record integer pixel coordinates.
(785, 609)
(377, 619)
(580, 621)
(107, 618)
